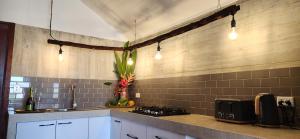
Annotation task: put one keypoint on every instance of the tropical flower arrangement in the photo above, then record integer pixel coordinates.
(125, 75)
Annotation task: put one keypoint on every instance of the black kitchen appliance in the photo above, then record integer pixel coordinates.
(286, 113)
(266, 110)
(159, 111)
(234, 110)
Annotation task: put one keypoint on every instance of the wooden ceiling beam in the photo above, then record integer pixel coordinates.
(80, 45)
(231, 10)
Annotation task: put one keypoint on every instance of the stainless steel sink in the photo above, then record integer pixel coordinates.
(70, 110)
(36, 111)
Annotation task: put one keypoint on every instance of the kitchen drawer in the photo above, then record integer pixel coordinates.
(155, 133)
(99, 127)
(36, 130)
(72, 129)
(131, 130)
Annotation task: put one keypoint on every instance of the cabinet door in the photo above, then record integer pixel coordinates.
(116, 127)
(155, 133)
(36, 130)
(131, 130)
(72, 129)
(99, 128)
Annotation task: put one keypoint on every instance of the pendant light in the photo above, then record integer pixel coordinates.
(157, 54)
(233, 35)
(60, 51)
(130, 60)
(60, 54)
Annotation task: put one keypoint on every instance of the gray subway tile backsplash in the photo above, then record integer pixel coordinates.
(195, 93)
(190, 93)
(56, 92)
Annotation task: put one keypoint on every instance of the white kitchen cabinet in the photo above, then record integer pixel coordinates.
(131, 130)
(155, 133)
(72, 129)
(36, 130)
(116, 127)
(99, 128)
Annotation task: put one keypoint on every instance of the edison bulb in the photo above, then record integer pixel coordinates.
(233, 34)
(60, 57)
(158, 55)
(130, 61)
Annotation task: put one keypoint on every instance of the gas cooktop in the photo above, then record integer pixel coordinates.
(159, 111)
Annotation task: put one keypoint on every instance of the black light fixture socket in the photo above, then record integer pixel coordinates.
(158, 46)
(233, 23)
(60, 50)
(130, 54)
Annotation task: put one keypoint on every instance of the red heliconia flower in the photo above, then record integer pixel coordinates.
(116, 91)
(123, 83)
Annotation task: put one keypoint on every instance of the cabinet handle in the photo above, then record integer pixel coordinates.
(133, 137)
(157, 137)
(47, 125)
(117, 121)
(65, 123)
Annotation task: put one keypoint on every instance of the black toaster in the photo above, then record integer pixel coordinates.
(235, 110)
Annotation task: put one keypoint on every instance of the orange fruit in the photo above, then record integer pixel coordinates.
(131, 103)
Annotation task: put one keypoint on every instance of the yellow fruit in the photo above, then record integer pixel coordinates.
(131, 103)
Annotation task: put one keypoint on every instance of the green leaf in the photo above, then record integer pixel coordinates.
(124, 61)
(124, 56)
(119, 64)
(121, 67)
(126, 44)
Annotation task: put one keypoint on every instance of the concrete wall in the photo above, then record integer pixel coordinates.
(202, 65)
(269, 32)
(34, 57)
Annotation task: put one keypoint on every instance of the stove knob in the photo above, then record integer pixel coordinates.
(161, 112)
(230, 116)
(220, 115)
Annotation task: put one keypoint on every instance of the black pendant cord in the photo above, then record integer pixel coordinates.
(51, 14)
(61, 43)
(219, 7)
(135, 30)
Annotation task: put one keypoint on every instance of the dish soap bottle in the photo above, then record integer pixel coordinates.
(30, 101)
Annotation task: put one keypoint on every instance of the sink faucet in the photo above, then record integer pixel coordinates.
(74, 105)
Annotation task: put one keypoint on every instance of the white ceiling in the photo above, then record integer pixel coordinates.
(152, 16)
(108, 19)
(68, 16)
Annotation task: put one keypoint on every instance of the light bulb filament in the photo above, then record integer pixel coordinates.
(130, 61)
(158, 55)
(233, 34)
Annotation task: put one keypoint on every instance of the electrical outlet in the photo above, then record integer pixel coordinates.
(284, 99)
(137, 95)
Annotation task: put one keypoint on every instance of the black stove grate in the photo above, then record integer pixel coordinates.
(159, 111)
